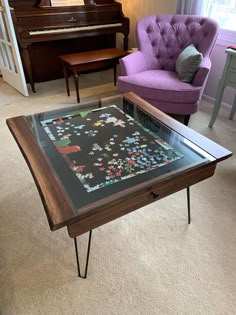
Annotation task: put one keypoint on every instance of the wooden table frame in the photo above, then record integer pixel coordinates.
(87, 61)
(58, 206)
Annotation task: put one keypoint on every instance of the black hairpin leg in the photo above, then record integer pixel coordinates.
(188, 202)
(87, 259)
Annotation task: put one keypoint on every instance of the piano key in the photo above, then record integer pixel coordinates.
(74, 29)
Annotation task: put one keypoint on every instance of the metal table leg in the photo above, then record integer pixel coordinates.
(188, 203)
(87, 258)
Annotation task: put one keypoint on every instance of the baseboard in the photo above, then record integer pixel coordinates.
(227, 107)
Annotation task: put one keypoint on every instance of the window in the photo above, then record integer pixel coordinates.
(224, 11)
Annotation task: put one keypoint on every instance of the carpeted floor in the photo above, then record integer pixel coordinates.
(148, 262)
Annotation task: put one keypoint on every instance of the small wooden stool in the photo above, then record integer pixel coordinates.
(90, 60)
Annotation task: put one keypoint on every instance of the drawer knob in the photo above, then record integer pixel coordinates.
(72, 19)
(154, 195)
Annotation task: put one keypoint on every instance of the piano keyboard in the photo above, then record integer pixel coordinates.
(74, 29)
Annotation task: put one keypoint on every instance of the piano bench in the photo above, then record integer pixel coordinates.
(90, 60)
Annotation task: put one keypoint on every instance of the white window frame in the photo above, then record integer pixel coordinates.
(226, 37)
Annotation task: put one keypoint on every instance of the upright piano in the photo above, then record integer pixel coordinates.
(45, 32)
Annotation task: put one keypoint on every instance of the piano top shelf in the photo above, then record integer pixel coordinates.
(19, 4)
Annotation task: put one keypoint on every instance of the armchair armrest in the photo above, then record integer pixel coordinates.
(133, 63)
(202, 72)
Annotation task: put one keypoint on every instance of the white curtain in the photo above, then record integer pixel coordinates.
(192, 7)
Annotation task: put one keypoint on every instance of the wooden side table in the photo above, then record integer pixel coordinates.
(228, 79)
(90, 60)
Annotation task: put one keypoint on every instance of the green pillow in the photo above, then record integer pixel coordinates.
(187, 63)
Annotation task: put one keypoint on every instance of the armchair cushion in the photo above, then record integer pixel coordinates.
(159, 84)
(188, 62)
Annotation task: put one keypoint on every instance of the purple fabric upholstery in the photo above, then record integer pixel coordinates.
(150, 72)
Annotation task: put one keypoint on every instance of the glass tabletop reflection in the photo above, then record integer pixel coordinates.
(103, 147)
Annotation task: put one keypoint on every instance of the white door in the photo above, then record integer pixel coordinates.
(10, 61)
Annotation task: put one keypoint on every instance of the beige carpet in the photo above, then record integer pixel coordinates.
(148, 262)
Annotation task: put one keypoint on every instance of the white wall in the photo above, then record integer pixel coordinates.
(135, 9)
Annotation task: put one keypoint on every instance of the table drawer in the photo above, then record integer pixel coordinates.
(136, 200)
(233, 62)
(231, 78)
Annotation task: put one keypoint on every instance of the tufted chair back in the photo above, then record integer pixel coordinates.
(162, 38)
(151, 71)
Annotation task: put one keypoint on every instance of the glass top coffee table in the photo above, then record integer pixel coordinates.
(95, 162)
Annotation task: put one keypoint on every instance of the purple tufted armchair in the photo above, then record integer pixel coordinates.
(150, 72)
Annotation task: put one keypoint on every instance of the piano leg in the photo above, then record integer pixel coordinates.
(126, 42)
(28, 67)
